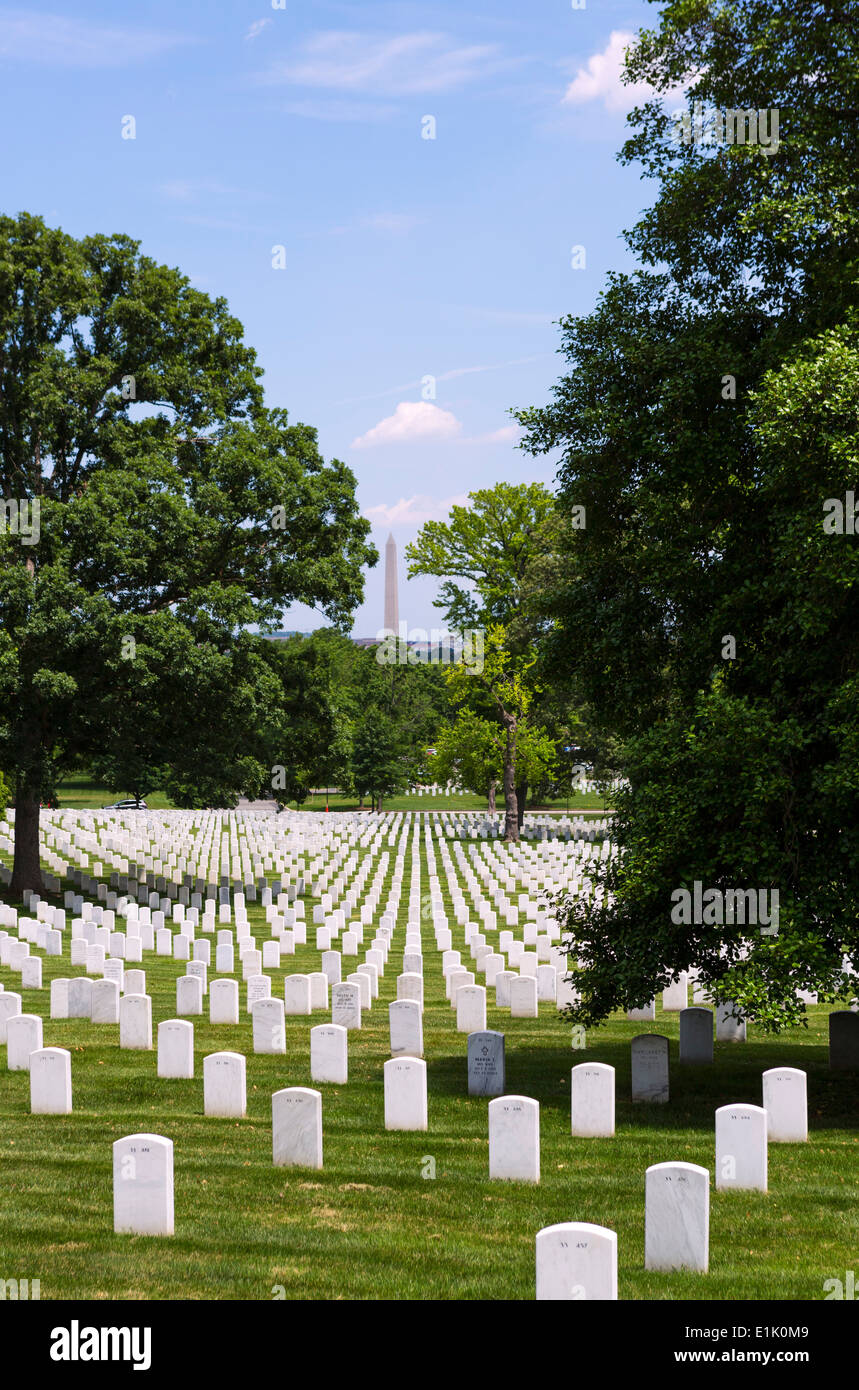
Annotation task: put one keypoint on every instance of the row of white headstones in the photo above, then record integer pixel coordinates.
(741, 1131)
(250, 844)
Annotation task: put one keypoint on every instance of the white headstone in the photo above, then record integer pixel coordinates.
(175, 1049)
(51, 1081)
(135, 1022)
(60, 998)
(645, 1015)
(677, 1217)
(224, 1084)
(592, 1100)
(786, 1104)
(576, 1261)
(31, 973)
(105, 1001)
(80, 997)
(189, 996)
(224, 1001)
(143, 1185)
(332, 966)
(728, 1027)
(406, 1026)
(741, 1147)
(411, 986)
(23, 1036)
(514, 1138)
(269, 1027)
(523, 997)
(471, 1009)
(329, 1057)
(405, 1093)
(503, 981)
(547, 983)
(676, 996)
(296, 993)
(296, 1115)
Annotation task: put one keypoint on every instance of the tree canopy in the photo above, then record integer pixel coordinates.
(710, 409)
(173, 511)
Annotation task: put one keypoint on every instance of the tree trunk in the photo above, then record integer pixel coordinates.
(26, 869)
(511, 814)
(379, 803)
(492, 785)
(521, 798)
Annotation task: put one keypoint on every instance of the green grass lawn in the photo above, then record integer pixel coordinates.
(583, 801)
(369, 1225)
(80, 792)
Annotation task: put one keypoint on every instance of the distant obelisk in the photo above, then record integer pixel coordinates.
(392, 607)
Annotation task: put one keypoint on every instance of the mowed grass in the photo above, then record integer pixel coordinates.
(370, 1225)
(79, 792)
(586, 802)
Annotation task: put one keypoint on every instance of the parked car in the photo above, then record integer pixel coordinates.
(130, 805)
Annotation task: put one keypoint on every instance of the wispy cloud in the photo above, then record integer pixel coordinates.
(402, 65)
(223, 224)
(600, 80)
(57, 41)
(508, 434)
(256, 28)
(414, 511)
(443, 376)
(502, 315)
(412, 422)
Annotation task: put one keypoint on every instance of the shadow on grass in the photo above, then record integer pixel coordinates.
(696, 1092)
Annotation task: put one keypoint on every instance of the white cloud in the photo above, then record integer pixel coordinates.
(414, 511)
(412, 421)
(444, 376)
(404, 65)
(601, 79)
(508, 434)
(57, 41)
(257, 28)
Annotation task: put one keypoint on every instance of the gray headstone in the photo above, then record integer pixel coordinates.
(650, 1068)
(696, 1035)
(486, 1071)
(844, 1040)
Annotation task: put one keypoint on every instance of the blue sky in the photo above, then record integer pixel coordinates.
(405, 257)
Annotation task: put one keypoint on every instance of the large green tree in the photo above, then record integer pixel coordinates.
(132, 419)
(710, 410)
(494, 558)
(486, 553)
(471, 750)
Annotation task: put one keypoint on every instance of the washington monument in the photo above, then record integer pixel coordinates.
(392, 607)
